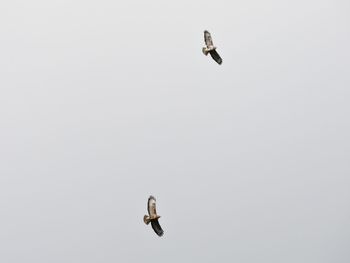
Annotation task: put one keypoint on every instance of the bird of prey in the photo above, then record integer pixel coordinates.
(152, 216)
(210, 48)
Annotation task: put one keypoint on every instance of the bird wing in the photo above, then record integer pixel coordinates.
(216, 56)
(151, 207)
(157, 228)
(207, 39)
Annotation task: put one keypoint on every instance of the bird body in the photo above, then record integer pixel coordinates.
(210, 48)
(207, 50)
(153, 217)
(147, 219)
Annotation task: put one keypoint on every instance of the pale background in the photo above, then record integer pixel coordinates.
(103, 103)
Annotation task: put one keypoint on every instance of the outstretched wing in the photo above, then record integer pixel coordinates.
(151, 207)
(207, 39)
(157, 228)
(216, 56)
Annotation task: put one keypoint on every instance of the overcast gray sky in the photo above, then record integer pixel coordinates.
(103, 103)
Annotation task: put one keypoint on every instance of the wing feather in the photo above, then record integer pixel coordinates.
(216, 56)
(157, 228)
(207, 39)
(151, 207)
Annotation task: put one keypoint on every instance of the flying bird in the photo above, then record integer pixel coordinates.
(152, 216)
(210, 48)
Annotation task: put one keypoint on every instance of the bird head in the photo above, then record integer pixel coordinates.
(205, 51)
(146, 219)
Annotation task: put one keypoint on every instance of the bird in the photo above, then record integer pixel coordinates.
(152, 216)
(210, 48)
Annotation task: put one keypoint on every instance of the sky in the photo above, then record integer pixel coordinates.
(103, 103)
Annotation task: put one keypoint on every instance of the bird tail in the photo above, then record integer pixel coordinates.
(146, 219)
(205, 51)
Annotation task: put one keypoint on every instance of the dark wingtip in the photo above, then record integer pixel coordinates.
(157, 228)
(160, 233)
